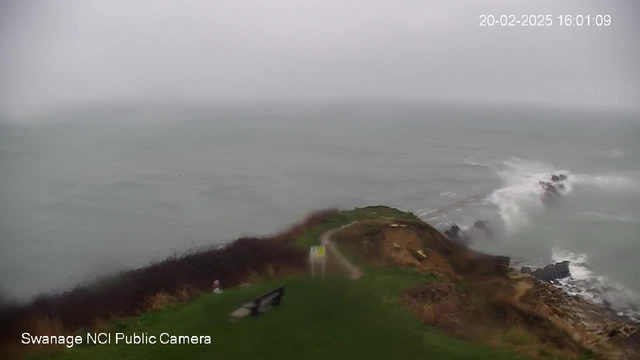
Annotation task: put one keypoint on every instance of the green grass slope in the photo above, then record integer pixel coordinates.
(332, 319)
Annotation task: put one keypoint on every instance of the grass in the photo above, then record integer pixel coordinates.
(516, 336)
(129, 292)
(331, 319)
(345, 217)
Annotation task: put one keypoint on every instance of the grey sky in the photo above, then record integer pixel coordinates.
(55, 52)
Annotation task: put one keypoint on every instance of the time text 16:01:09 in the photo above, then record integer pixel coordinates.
(545, 20)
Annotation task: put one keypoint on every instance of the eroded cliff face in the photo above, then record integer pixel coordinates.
(479, 297)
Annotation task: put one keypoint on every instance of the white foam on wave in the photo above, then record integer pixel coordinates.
(422, 214)
(520, 199)
(578, 263)
(626, 218)
(521, 195)
(596, 289)
(607, 182)
(447, 194)
(469, 161)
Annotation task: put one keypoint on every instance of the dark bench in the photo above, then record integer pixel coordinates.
(259, 304)
(272, 298)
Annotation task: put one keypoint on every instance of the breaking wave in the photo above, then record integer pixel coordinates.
(608, 182)
(626, 218)
(596, 289)
(521, 196)
(470, 161)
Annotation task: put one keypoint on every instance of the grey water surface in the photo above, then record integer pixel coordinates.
(92, 191)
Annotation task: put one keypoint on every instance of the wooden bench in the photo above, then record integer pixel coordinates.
(272, 298)
(260, 303)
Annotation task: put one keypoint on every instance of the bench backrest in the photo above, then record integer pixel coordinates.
(273, 297)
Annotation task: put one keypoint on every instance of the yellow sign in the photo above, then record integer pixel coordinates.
(317, 251)
(317, 256)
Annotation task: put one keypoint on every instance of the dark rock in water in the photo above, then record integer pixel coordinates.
(555, 178)
(550, 272)
(454, 233)
(481, 227)
(548, 187)
(561, 186)
(480, 224)
(562, 177)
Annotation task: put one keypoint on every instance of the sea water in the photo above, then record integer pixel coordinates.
(91, 191)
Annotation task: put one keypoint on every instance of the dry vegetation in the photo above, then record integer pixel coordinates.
(475, 296)
(473, 315)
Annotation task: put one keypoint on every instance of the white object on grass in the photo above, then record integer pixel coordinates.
(216, 287)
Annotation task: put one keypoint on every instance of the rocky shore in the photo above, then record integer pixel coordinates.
(501, 296)
(550, 272)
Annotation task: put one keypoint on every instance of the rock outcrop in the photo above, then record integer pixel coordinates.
(550, 272)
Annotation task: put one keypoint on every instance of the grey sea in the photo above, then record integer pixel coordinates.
(95, 190)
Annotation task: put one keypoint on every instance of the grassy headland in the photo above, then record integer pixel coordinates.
(331, 319)
(183, 277)
(421, 297)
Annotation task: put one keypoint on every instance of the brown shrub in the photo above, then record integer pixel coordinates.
(440, 304)
(160, 301)
(186, 293)
(47, 325)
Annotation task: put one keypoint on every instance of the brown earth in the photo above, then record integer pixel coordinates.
(482, 299)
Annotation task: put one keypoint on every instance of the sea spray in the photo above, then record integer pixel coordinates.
(520, 197)
(596, 289)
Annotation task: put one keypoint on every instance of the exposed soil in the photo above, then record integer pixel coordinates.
(482, 299)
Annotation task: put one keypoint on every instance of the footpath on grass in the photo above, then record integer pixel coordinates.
(354, 272)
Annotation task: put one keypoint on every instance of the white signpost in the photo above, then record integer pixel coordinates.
(317, 255)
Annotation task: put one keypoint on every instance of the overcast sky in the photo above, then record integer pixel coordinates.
(65, 52)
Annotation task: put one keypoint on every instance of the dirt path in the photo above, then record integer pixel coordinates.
(353, 271)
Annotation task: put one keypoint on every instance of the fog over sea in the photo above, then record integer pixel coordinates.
(91, 191)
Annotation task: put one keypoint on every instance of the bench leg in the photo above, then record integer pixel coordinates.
(256, 308)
